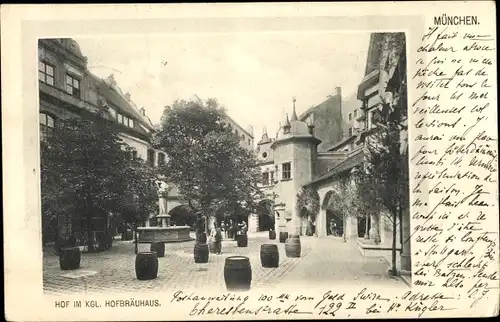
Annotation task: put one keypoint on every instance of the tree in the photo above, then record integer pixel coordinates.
(308, 206)
(386, 175)
(86, 172)
(345, 202)
(212, 172)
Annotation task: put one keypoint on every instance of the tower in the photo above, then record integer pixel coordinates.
(294, 154)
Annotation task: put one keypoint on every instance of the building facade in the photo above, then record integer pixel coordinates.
(68, 89)
(298, 157)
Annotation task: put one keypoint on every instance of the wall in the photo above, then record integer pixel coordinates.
(327, 120)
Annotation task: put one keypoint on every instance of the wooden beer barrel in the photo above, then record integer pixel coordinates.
(292, 246)
(237, 273)
(272, 235)
(269, 255)
(69, 258)
(200, 253)
(146, 266)
(159, 248)
(283, 236)
(242, 240)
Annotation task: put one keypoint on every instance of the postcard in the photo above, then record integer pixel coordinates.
(250, 161)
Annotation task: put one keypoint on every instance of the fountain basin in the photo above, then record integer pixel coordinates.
(171, 234)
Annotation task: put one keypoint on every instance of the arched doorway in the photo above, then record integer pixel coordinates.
(334, 221)
(265, 215)
(182, 216)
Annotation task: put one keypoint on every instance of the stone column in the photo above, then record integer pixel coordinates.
(253, 223)
(321, 223)
(351, 227)
(406, 247)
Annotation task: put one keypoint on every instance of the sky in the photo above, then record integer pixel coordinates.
(254, 75)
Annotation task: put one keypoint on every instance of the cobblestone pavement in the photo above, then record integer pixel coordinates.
(114, 270)
(331, 260)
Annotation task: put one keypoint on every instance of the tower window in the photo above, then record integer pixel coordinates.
(286, 173)
(46, 73)
(350, 116)
(350, 131)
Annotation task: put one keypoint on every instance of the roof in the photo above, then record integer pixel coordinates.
(341, 143)
(343, 166)
(112, 95)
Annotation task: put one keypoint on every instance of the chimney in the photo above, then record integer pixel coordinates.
(310, 124)
(127, 96)
(111, 80)
(338, 91)
(143, 111)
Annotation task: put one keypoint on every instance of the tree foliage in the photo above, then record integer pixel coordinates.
(87, 172)
(308, 206)
(212, 172)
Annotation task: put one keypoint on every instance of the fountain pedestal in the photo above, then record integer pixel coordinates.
(163, 233)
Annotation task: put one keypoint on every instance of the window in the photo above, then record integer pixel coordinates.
(130, 123)
(265, 178)
(237, 133)
(264, 155)
(355, 113)
(350, 116)
(46, 126)
(286, 171)
(350, 131)
(151, 157)
(272, 176)
(46, 73)
(112, 111)
(72, 85)
(134, 154)
(243, 137)
(161, 158)
(249, 142)
(120, 118)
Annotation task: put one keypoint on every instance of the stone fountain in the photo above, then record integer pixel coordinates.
(163, 232)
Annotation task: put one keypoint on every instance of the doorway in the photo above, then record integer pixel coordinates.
(334, 224)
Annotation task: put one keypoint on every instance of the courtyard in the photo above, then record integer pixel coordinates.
(323, 260)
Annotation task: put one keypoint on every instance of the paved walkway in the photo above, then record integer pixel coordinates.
(323, 260)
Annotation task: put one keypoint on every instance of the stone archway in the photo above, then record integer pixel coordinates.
(334, 223)
(182, 216)
(265, 215)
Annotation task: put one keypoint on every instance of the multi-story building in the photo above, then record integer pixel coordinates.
(68, 89)
(298, 158)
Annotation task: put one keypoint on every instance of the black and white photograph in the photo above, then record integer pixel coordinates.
(227, 161)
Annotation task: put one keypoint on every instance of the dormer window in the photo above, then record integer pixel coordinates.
(286, 129)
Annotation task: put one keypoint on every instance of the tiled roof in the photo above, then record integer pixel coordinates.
(345, 165)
